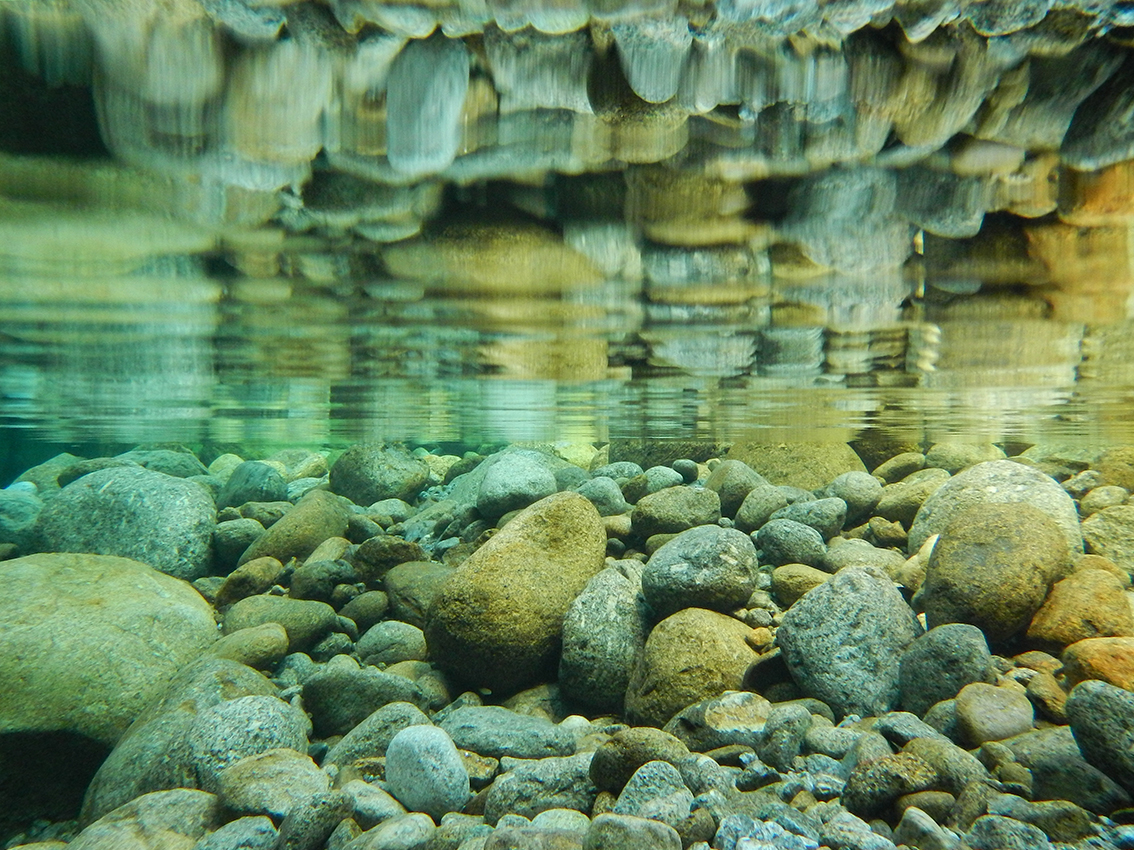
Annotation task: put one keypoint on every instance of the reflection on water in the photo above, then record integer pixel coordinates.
(318, 222)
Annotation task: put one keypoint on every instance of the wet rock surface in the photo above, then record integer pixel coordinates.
(801, 706)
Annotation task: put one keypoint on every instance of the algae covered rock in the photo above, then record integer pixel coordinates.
(89, 640)
(496, 621)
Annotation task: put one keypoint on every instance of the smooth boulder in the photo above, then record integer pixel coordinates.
(496, 622)
(89, 640)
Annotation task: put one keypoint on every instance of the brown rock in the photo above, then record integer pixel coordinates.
(1117, 466)
(791, 581)
(990, 713)
(992, 567)
(1097, 198)
(1048, 697)
(259, 647)
(496, 621)
(249, 579)
(806, 465)
(689, 656)
(1098, 562)
(316, 516)
(627, 750)
(1110, 659)
(1087, 604)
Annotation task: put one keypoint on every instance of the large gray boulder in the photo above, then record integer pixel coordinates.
(137, 513)
(842, 641)
(996, 482)
(88, 640)
(705, 567)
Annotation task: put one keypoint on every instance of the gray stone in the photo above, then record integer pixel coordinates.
(369, 608)
(705, 567)
(785, 541)
(318, 579)
(955, 767)
(1059, 771)
(901, 727)
(988, 713)
(824, 515)
(425, 773)
(370, 472)
(1059, 819)
(653, 480)
(19, 511)
(738, 832)
(847, 832)
(605, 494)
(953, 457)
(997, 482)
(621, 470)
(89, 641)
(371, 737)
(656, 791)
(155, 753)
(733, 480)
(403, 832)
(603, 632)
(842, 642)
(179, 464)
(494, 731)
(179, 815)
(758, 506)
(624, 832)
(851, 552)
(252, 481)
(995, 832)
(371, 805)
(343, 694)
(530, 786)
(1101, 716)
(250, 833)
(307, 826)
(619, 757)
(917, 829)
(225, 733)
(511, 482)
(860, 492)
(392, 641)
(231, 539)
(941, 662)
(675, 509)
(152, 517)
(782, 736)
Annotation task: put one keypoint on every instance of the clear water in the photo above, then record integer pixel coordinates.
(176, 264)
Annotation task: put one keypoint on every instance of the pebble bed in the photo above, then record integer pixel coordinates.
(571, 647)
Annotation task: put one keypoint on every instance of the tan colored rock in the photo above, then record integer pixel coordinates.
(806, 465)
(1110, 659)
(316, 517)
(1117, 466)
(304, 620)
(249, 579)
(273, 782)
(689, 656)
(791, 581)
(496, 621)
(1086, 604)
(1097, 198)
(259, 647)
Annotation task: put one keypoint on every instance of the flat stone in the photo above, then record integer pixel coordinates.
(806, 465)
(316, 517)
(493, 730)
(530, 786)
(305, 620)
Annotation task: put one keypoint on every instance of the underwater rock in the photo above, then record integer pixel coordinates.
(90, 640)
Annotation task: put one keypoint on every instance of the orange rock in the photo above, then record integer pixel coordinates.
(1097, 198)
(1098, 562)
(1110, 659)
(1087, 604)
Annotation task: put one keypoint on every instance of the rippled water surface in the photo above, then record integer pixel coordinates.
(314, 223)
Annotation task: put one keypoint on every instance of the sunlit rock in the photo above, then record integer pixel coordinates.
(1098, 198)
(426, 92)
